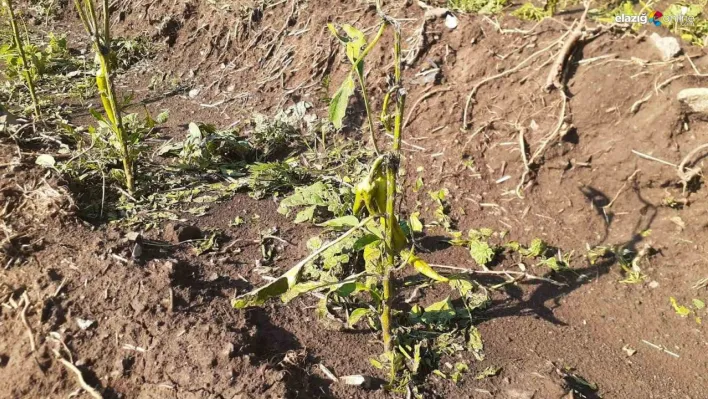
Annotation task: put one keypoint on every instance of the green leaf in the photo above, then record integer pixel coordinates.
(194, 130)
(475, 344)
(679, 309)
(481, 252)
(300, 288)
(314, 243)
(313, 197)
(306, 214)
(418, 184)
(340, 101)
(376, 363)
(698, 304)
(537, 248)
(424, 268)
(490, 371)
(416, 224)
(372, 257)
(344, 221)
(259, 296)
(439, 373)
(275, 288)
(355, 42)
(356, 315)
(460, 369)
(364, 240)
(439, 312)
(162, 117)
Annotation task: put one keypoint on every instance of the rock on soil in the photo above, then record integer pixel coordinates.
(695, 98)
(669, 47)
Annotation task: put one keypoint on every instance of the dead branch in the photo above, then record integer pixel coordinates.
(23, 316)
(638, 104)
(555, 133)
(685, 175)
(420, 42)
(555, 75)
(524, 158)
(79, 376)
(509, 273)
(519, 66)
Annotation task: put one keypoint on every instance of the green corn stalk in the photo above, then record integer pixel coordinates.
(101, 38)
(376, 193)
(391, 219)
(25, 63)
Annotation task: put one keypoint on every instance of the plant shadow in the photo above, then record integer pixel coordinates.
(537, 303)
(271, 346)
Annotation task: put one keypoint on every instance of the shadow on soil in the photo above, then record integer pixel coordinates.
(538, 302)
(276, 347)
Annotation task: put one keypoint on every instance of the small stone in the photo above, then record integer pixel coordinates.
(696, 99)
(84, 324)
(213, 277)
(451, 21)
(132, 236)
(193, 93)
(138, 305)
(356, 380)
(654, 284)
(629, 350)
(229, 350)
(669, 46)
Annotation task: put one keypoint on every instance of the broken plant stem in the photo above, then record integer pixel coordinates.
(27, 70)
(509, 273)
(524, 158)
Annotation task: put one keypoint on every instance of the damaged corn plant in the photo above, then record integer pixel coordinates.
(100, 34)
(369, 257)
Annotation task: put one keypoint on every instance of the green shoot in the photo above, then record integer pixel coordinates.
(27, 68)
(354, 41)
(101, 38)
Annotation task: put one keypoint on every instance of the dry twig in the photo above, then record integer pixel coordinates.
(23, 316)
(555, 75)
(425, 95)
(519, 66)
(509, 273)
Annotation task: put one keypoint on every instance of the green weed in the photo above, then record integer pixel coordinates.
(477, 6)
